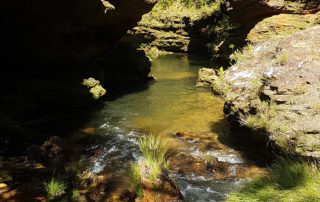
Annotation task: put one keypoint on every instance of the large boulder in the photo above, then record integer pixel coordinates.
(273, 87)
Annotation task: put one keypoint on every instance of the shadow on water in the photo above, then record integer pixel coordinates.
(242, 139)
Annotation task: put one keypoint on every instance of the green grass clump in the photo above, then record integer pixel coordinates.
(75, 194)
(74, 168)
(288, 180)
(135, 179)
(254, 122)
(55, 187)
(155, 152)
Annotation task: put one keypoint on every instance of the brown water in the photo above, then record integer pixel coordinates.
(170, 104)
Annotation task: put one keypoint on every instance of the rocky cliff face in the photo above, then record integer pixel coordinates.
(249, 12)
(178, 28)
(245, 14)
(273, 87)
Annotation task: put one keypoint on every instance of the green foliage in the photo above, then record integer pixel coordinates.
(155, 152)
(74, 168)
(135, 179)
(267, 118)
(55, 187)
(220, 73)
(254, 122)
(288, 180)
(75, 194)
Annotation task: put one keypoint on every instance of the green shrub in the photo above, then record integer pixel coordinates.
(288, 180)
(55, 187)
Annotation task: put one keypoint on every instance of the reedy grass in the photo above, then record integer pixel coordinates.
(135, 179)
(155, 152)
(54, 187)
(287, 180)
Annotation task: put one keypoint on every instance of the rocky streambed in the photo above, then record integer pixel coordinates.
(211, 159)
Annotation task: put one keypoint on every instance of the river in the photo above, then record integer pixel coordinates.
(172, 104)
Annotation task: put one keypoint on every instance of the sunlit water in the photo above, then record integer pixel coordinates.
(171, 103)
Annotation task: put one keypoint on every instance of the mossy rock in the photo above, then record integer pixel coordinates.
(282, 25)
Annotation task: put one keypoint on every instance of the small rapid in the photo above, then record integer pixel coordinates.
(169, 105)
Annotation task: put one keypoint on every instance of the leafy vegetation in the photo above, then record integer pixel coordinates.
(287, 180)
(55, 187)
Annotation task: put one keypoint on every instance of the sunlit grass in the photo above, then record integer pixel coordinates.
(135, 179)
(288, 180)
(55, 187)
(155, 152)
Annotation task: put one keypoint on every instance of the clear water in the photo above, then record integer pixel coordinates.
(171, 103)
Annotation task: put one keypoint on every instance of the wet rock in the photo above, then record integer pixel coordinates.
(57, 151)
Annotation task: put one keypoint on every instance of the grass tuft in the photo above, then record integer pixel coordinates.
(288, 180)
(55, 187)
(75, 194)
(155, 152)
(135, 179)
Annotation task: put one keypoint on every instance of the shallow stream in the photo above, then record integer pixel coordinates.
(169, 105)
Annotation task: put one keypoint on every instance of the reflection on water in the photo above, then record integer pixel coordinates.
(171, 103)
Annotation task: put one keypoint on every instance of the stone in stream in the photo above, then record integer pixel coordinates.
(209, 158)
